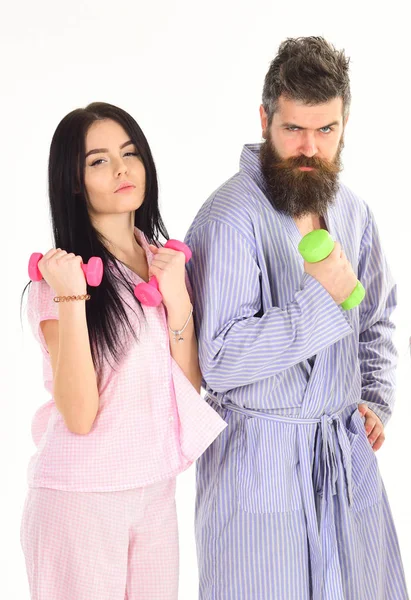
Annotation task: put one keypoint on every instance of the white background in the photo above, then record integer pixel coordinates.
(191, 74)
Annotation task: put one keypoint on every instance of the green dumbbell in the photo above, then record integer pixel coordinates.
(316, 246)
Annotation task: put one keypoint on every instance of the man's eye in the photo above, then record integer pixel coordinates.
(326, 128)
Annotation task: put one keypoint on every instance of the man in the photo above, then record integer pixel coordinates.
(290, 502)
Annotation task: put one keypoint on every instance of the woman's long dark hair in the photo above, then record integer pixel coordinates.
(73, 231)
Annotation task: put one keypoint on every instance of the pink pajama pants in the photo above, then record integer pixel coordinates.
(102, 546)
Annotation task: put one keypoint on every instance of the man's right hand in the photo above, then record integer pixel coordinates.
(335, 274)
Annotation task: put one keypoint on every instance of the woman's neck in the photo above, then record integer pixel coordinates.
(119, 238)
(118, 234)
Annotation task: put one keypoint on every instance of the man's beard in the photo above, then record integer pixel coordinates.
(296, 192)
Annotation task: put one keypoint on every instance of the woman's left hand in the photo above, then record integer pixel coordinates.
(168, 266)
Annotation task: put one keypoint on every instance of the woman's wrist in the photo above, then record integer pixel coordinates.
(178, 312)
(72, 310)
(77, 291)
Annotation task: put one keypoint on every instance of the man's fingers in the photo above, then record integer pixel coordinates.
(376, 432)
(363, 409)
(370, 424)
(379, 442)
(374, 428)
(370, 421)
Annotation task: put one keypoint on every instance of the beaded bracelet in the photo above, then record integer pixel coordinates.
(68, 298)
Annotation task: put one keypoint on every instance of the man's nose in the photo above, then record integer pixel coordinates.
(308, 145)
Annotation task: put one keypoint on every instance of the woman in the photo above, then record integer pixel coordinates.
(125, 415)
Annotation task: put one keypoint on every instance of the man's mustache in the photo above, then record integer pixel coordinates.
(319, 164)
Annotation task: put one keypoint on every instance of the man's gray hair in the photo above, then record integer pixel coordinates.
(307, 69)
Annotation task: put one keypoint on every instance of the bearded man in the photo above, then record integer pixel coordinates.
(290, 502)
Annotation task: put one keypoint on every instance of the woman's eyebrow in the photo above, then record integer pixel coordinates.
(100, 150)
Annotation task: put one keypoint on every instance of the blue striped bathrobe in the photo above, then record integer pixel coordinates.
(290, 502)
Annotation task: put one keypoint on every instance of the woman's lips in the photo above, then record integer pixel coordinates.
(127, 188)
(124, 186)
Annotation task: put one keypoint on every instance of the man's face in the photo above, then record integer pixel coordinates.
(301, 155)
(298, 129)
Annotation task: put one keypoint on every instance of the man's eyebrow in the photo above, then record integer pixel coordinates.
(100, 150)
(294, 126)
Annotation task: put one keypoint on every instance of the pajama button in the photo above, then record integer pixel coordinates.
(171, 418)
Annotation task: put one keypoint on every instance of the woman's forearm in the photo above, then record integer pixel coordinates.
(184, 352)
(75, 383)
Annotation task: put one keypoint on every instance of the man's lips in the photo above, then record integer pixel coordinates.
(306, 168)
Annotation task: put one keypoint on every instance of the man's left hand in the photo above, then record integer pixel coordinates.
(374, 427)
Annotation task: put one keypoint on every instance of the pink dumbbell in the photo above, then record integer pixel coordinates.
(148, 293)
(93, 270)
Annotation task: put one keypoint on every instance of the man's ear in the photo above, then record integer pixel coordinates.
(264, 122)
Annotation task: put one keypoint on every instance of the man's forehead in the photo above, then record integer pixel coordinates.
(310, 116)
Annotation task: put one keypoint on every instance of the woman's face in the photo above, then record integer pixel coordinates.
(114, 174)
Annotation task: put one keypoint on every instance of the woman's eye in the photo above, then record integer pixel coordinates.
(99, 161)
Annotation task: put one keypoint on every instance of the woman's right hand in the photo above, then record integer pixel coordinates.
(63, 272)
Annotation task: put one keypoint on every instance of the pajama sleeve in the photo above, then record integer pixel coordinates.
(377, 353)
(41, 307)
(238, 344)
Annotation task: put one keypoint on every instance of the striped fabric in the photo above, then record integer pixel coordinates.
(290, 503)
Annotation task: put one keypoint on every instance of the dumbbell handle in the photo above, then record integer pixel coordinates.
(148, 293)
(316, 246)
(93, 270)
(153, 282)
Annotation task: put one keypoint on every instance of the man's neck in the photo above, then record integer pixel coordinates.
(308, 223)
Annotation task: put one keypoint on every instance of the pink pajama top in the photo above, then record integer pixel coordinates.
(151, 423)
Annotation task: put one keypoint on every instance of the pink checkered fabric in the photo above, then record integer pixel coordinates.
(151, 423)
(102, 546)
